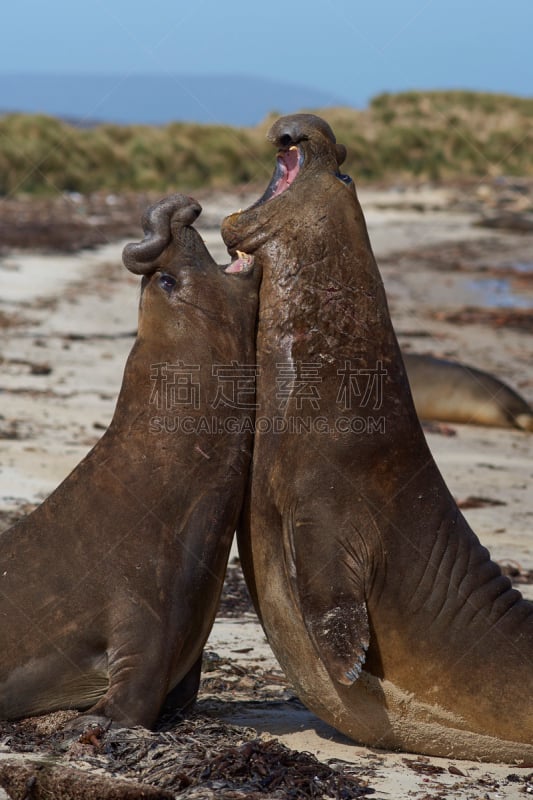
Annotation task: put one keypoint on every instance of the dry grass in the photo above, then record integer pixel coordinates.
(410, 136)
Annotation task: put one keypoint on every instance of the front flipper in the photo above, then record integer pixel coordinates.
(327, 577)
(340, 634)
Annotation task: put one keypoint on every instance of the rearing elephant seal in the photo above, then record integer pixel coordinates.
(383, 608)
(108, 590)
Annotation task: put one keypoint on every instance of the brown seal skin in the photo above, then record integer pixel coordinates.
(454, 392)
(380, 603)
(108, 590)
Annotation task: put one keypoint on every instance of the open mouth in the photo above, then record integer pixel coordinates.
(288, 165)
(242, 263)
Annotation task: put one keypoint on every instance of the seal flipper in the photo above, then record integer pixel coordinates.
(330, 598)
(340, 634)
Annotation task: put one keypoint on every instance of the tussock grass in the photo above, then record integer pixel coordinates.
(411, 136)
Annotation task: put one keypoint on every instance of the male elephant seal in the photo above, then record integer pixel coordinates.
(108, 590)
(455, 392)
(380, 603)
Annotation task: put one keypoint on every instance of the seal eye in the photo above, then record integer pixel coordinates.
(167, 282)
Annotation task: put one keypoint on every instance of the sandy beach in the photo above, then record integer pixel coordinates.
(67, 323)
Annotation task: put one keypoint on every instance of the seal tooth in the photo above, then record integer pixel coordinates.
(242, 263)
(244, 256)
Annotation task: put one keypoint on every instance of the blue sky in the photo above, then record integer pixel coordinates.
(352, 49)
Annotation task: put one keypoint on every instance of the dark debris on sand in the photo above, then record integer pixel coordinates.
(516, 573)
(487, 257)
(40, 781)
(198, 758)
(230, 762)
(235, 600)
(70, 222)
(195, 758)
(518, 319)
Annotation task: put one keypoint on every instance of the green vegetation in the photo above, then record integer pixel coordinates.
(412, 136)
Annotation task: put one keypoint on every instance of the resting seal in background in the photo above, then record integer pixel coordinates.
(108, 590)
(454, 392)
(383, 608)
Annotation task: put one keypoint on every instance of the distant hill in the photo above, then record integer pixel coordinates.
(156, 100)
(412, 136)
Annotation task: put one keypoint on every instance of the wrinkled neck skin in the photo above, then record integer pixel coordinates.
(321, 296)
(322, 301)
(212, 324)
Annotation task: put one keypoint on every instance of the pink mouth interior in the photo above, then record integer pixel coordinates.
(242, 263)
(288, 160)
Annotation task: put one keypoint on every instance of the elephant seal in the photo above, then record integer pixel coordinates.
(108, 590)
(381, 605)
(454, 392)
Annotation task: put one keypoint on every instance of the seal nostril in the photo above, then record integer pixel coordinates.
(285, 140)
